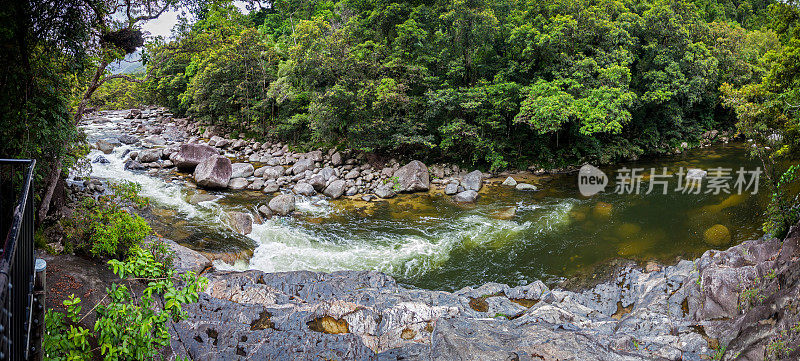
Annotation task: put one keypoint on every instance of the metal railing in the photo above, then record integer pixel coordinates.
(16, 259)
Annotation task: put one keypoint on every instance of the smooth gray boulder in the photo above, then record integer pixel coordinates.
(510, 182)
(240, 222)
(318, 181)
(104, 146)
(336, 159)
(451, 189)
(385, 191)
(272, 172)
(525, 187)
(214, 172)
(149, 155)
(238, 184)
(190, 155)
(184, 259)
(467, 196)
(335, 189)
(127, 139)
(304, 189)
(270, 186)
(302, 165)
(282, 204)
(241, 170)
(413, 177)
(473, 180)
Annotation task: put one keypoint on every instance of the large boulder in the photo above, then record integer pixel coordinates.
(238, 184)
(302, 165)
(149, 155)
(240, 222)
(241, 170)
(105, 147)
(190, 155)
(336, 159)
(385, 191)
(183, 259)
(304, 189)
(318, 181)
(335, 189)
(510, 182)
(127, 139)
(282, 204)
(468, 196)
(214, 172)
(473, 180)
(273, 172)
(413, 177)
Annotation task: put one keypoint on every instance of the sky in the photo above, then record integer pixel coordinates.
(163, 24)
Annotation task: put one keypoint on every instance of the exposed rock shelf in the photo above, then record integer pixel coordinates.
(681, 312)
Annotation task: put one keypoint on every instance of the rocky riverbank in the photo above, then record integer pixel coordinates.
(217, 161)
(738, 304)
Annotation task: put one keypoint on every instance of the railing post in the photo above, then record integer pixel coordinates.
(39, 296)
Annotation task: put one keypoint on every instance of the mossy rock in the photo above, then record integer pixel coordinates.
(603, 210)
(717, 235)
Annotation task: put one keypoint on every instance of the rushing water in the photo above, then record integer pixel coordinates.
(426, 240)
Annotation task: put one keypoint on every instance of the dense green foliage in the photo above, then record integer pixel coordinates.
(128, 326)
(767, 115)
(42, 55)
(105, 227)
(502, 83)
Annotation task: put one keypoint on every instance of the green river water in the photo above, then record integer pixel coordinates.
(428, 241)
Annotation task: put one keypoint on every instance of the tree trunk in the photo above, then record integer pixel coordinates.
(55, 171)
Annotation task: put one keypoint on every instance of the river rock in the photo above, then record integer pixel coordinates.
(327, 173)
(149, 155)
(385, 191)
(467, 196)
(318, 181)
(510, 182)
(240, 222)
(100, 159)
(525, 187)
(214, 172)
(259, 172)
(238, 183)
(133, 165)
(451, 189)
(127, 139)
(336, 159)
(413, 177)
(717, 235)
(302, 165)
(473, 180)
(353, 174)
(271, 186)
(304, 189)
(257, 184)
(335, 189)
(190, 155)
(104, 146)
(282, 204)
(265, 211)
(154, 140)
(183, 259)
(201, 197)
(241, 170)
(273, 172)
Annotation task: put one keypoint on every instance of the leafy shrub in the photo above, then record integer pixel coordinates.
(782, 211)
(103, 227)
(128, 326)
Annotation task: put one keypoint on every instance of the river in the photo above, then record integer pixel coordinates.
(426, 240)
